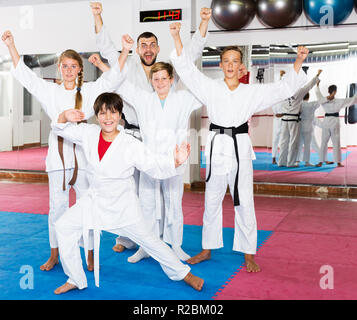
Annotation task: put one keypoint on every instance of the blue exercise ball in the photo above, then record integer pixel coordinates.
(279, 13)
(328, 12)
(233, 15)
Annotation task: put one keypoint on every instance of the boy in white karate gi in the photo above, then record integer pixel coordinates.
(139, 70)
(331, 124)
(229, 151)
(111, 202)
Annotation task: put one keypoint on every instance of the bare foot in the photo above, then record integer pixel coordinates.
(251, 264)
(51, 262)
(340, 165)
(119, 248)
(274, 161)
(65, 288)
(319, 164)
(193, 281)
(90, 262)
(205, 254)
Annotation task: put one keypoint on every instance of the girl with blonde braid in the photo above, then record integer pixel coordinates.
(65, 161)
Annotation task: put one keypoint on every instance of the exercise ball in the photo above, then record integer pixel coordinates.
(279, 13)
(233, 15)
(322, 11)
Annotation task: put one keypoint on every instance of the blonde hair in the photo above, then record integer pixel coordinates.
(159, 66)
(71, 54)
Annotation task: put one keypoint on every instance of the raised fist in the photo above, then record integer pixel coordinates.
(206, 14)
(127, 42)
(95, 59)
(8, 38)
(175, 28)
(302, 53)
(96, 8)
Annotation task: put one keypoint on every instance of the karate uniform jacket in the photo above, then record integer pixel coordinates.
(228, 108)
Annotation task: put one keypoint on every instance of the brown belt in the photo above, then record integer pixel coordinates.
(75, 172)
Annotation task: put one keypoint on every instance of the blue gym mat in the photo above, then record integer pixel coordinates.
(24, 244)
(263, 162)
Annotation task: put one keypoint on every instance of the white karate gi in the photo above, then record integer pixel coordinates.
(307, 138)
(331, 125)
(156, 197)
(161, 129)
(290, 126)
(277, 109)
(228, 108)
(111, 202)
(55, 99)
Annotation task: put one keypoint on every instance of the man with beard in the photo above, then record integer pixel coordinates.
(139, 75)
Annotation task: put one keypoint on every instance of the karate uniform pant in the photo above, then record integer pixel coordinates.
(163, 218)
(276, 136)
(307, 141)
(59, 199)
(334, 134)
(69, 230)
(245, 225)
(123, 240)
(289, 143)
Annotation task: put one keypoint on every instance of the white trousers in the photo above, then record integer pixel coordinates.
(307, 141)
(123, 240)
(334, 134)
(59, 199)
(163, 218)
(69, 230)
(289, 143)
(276, 136)
(245, 224)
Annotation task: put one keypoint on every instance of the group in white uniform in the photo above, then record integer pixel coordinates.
(161, 200)
(290, 126)
(110, 200)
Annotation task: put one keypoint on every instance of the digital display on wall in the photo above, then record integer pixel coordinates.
(161, 15)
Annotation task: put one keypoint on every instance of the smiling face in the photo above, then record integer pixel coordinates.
(230, 64)
(108, 119)
(69, 69)
(161, 82)
(148, 50)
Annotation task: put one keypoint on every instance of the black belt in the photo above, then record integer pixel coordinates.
(336, 114)
(292, 115)
(289, 120)
(230, 131)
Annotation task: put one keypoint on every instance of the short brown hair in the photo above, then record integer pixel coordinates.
(234, 48)
(159, 66)
(108, 100)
